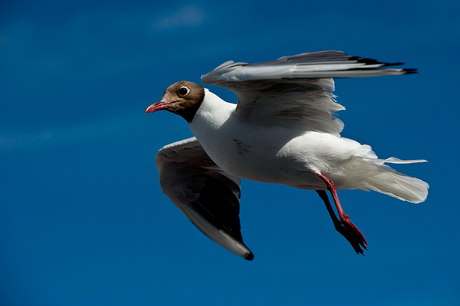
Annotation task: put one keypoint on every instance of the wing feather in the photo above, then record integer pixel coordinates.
(295, 90)
(207, 195)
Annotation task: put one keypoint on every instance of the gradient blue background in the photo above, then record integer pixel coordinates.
(82, 217)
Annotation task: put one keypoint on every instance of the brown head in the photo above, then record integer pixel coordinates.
(182, 98)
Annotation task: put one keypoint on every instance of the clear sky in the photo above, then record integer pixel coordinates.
(82, 217)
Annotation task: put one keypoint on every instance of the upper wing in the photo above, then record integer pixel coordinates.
(295, 90)
(206, 194)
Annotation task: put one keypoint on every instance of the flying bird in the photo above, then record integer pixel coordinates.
(282, 130)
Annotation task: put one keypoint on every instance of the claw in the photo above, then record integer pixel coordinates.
(357, 235)
(351, 239)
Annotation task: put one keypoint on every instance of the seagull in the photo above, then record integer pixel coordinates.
(282, 131)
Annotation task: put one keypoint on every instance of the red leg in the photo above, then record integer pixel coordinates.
(344, 218)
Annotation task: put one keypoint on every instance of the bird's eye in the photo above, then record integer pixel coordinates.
(183, 91)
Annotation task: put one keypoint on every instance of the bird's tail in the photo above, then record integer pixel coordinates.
(381, 178)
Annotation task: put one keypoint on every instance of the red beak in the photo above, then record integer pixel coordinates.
(157, 106)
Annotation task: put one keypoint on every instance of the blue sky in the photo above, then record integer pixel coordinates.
(82, 217)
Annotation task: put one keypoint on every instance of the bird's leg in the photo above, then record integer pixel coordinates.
(351, 230)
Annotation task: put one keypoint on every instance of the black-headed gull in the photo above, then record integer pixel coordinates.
(281, 131)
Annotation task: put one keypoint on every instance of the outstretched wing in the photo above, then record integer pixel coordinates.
(206, 194)
(295, 90)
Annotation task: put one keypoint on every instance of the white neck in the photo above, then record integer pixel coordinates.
(213, 112)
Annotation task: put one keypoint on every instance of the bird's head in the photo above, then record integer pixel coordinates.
(182, 98)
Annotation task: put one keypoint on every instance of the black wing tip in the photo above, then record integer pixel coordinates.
(411, 71)
(249, 257)
(371, 61)
(364, 60)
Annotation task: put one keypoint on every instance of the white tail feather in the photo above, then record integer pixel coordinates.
(399, 186)
(372, 173)
(383, 179)
(394, 160)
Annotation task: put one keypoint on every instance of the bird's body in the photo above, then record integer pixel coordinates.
(292, 156)
(281, 131)
(273, 154)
